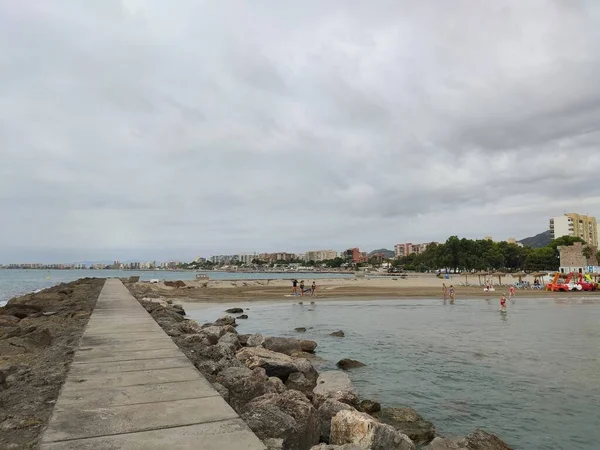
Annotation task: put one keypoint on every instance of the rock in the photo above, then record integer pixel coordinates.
(308, 346)
(243, 316)
(244, 339)
(213, 333)
(234, 310)
(192, 341)
(482, 440)
(338, 333)
(227, 320)
(2, 381)
(326, 412)
(346, 364)
(369, 406)
(289, 346)
(274, 444)
(256, 340)
(336, 385)
(230, 340)
(178, 309)
(275, 386)
(407, 421)
(270, 423)
(275, 364)
(306, 368)
(20, 311)
(443, 444)
(300, 383)
(189, 327)
(337, 447)
(353, 427)
(243, 385)
(305, 430)
(222, 390)
(300, 329)
(176, 284)
(169, 302)
(8, 321)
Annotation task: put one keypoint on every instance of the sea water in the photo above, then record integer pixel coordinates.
(16, 282)
(532, 376)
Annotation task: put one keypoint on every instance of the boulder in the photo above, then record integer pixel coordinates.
(306, 368)
(230, 340)
(353, 427)
(338, 333)
(243, 316)
(305, 430)
(178, 309)
(369, 406)
(300, 383)
(20, 311)
(176, 284)
(275, 385)
(300, 329)
(289, 346)
(244, 339)
(256, 340)
(347, 363)
(243, 385)
(443, 444)
(326, 412)
(227, 320)
(234, 311)
(336, 385)
(192, 341)
(2, 381)
(271, 424)
(189, 327)
(482, 440)
(275, 364)
(213, 333)
(407, 421)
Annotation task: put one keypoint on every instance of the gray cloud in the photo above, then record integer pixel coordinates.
(133, 129)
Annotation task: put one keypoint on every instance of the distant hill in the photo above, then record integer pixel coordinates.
(537, 241)
(386, 253)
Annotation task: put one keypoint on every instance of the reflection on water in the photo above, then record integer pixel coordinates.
(530, 375)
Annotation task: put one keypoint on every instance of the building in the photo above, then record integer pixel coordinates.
(246, 258)
(403, 250)
(320, 255)
(576, 225)
(354, 255)
(572, 258)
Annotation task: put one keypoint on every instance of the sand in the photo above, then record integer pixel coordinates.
(414, 286)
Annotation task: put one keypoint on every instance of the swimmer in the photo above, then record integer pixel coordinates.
(503, 303)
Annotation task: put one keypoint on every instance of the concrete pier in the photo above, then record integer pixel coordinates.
(131, 388)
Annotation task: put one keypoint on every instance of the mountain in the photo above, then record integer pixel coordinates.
(537, 241)
(386, 253)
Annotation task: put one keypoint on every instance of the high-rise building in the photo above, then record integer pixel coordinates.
(403, 250)
(576, 225)
(320, 255)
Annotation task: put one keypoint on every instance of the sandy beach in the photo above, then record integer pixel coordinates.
(414, 286)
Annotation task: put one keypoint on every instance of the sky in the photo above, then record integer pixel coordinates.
(169, 130)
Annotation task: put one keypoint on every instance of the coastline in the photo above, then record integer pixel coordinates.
(258, 375)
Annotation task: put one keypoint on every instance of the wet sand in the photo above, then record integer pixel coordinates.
(365, 288)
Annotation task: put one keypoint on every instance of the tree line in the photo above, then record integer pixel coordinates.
(466, 255)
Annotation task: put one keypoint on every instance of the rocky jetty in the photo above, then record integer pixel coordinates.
(39, 334)
(290, 406)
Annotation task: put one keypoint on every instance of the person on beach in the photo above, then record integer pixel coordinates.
(445, 291)
(295, 287)
(451, 293)
(313, 289)
(302, 287)
(511, 293)
(503, 303)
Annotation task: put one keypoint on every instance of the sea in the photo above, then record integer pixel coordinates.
(532, 376)
(15, 282)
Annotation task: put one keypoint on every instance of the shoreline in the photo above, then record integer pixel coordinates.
(258, 375)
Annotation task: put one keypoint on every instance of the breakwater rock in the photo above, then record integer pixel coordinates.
(287, 403)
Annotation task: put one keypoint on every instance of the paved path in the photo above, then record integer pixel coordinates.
(131, 388)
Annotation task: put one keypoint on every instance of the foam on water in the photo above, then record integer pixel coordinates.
(530, 375)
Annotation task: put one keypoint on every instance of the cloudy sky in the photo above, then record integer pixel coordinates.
(146, 129)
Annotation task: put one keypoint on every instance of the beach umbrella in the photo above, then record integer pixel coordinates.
(466, 274)
(499, 275)
(519, 275)
(480, 274)
(540, 275)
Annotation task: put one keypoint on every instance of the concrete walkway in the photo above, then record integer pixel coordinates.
(131, 388)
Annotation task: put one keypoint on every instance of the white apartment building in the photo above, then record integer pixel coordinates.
(576, 225)
(320, 255)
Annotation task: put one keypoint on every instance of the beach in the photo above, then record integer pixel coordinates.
(412, 286)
